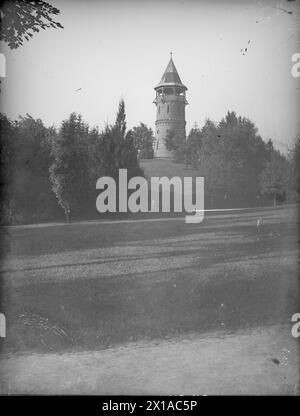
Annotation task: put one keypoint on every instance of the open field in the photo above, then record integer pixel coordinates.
(97, 288)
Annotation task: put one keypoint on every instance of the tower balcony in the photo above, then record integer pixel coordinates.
(162, 98)
(171, 90)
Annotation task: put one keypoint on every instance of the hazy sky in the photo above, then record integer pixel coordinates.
(113, 49)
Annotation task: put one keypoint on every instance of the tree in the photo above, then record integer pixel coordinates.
(210, 161)
(231, 157)
(143, 140)
(69, 173)
(8, 144)
(43, 169)
(176, 143)
(115, 149)
(20, 19)
(296, 167)
(294, 172)
(275, 176)
(245, 153)
(174, 140)
(193, 145)
(25, 163)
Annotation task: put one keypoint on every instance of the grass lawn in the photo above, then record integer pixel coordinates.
(95, 285)
(152, 307)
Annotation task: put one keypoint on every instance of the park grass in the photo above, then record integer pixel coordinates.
(96, 285)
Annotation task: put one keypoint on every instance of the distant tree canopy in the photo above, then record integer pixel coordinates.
(143, 140)
(175, 142)
(46, 172)
(81, 156)
(20, 19)
(238, 166)
(274, 179)
(25, 160)
(294, 159)
(114, 148)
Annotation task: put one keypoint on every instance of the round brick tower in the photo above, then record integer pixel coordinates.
(170, 104)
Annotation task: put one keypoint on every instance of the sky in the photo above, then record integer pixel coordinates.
(114, 49)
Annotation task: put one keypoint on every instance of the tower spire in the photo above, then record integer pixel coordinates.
(170, 76)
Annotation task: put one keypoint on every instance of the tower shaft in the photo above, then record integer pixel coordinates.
(170, 104)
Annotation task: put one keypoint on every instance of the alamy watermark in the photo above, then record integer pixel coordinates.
(160, 188)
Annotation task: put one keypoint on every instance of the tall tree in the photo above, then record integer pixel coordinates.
(274, 179)
(116, 150)
(294, 171)
(9, 136)
(176, 143)
(296, 167)
(143, 140)
(231, 158)
(26, 160)
(174, 140)
(69, 173)
(196, 139)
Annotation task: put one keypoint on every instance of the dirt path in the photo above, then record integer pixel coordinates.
(261, 361)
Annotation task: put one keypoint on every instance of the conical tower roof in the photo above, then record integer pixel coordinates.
(170, 76)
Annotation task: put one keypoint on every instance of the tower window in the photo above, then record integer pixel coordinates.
(168, 91)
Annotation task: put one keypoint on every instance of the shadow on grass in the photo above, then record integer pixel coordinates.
(95, 314)
(98, 313)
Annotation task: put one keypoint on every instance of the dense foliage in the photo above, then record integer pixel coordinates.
(46, 172)
(238, 166)
(143, 139)
(49, 173)
(20, 19)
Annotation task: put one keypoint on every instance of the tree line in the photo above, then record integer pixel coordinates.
(240, 169)
(49, 174)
